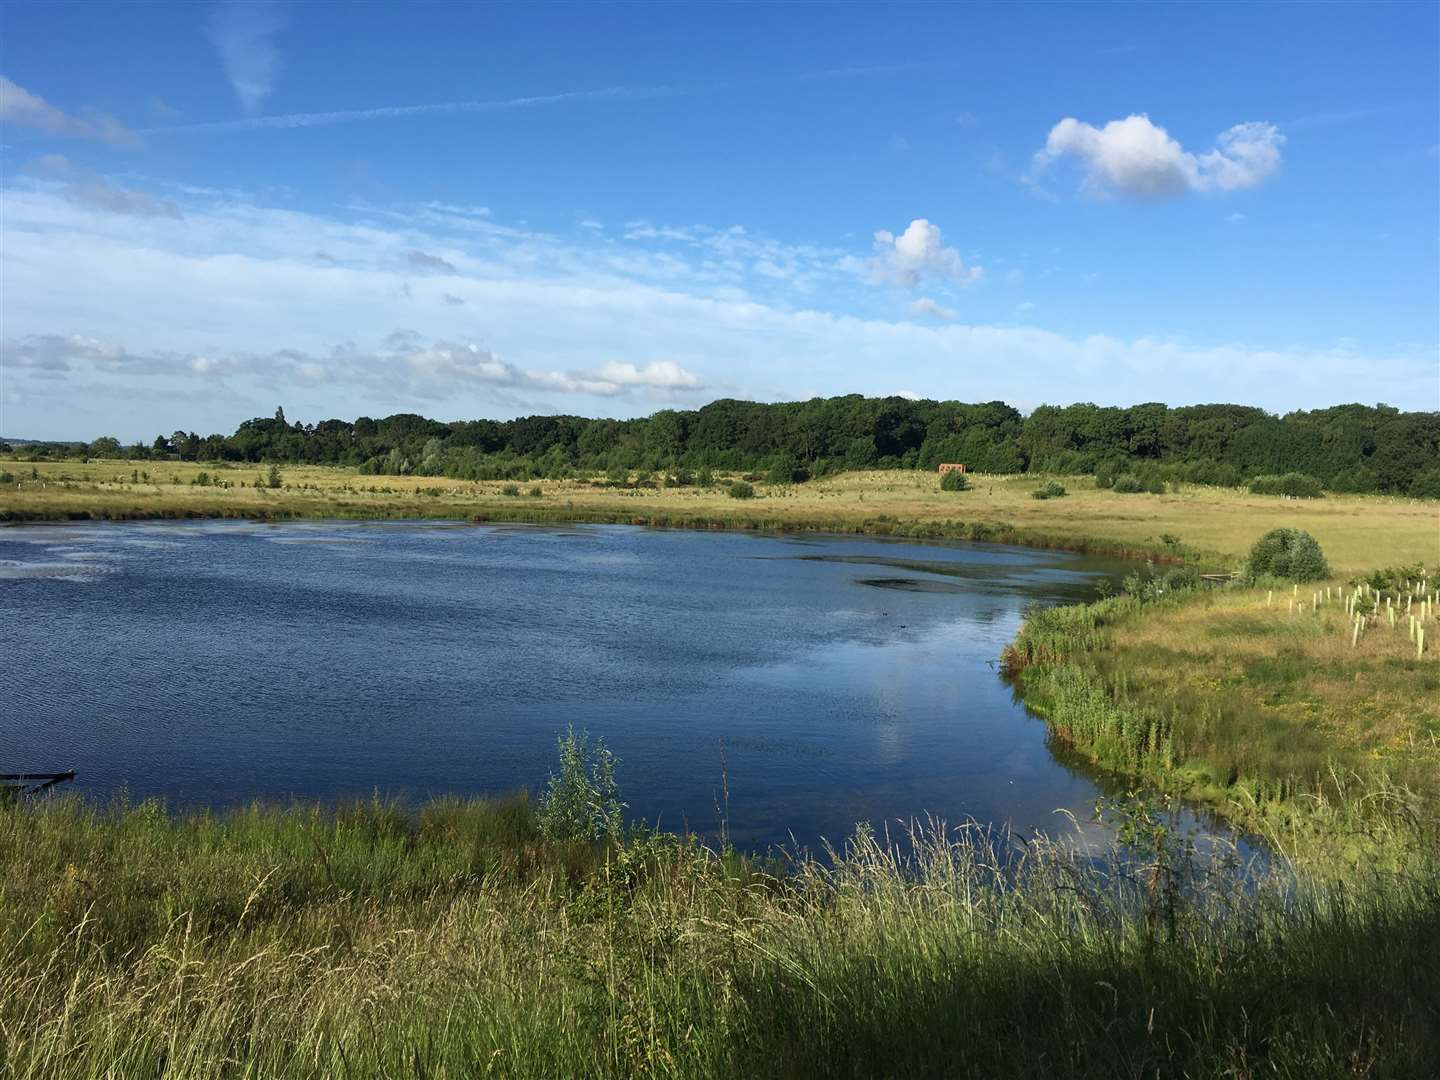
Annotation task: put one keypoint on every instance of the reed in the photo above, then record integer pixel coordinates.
(456, 941)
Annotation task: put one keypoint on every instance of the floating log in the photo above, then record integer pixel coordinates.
(32, 783)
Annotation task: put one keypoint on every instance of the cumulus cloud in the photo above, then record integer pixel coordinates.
(658, 374)
(926, 306)
(1137, 158)
(917, 253)
(90, 189)
(422, 260)
(23, 109)
(241, 33)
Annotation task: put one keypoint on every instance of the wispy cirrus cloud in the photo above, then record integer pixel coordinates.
(23, 109)
(242, 33)
(531, 101)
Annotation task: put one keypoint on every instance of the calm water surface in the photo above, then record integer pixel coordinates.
(847, 679)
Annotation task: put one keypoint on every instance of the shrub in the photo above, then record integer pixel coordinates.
(1050, 490)
(1296, 485)
(7, 478)
(582, 802)
(704, 478)
(954, 481)
(510, 489)
(1108, 471)
(1127, 484)
(535, 492)
(1426, 485)
(741, 490)
(274, 479)
(202, 479)
(1292, 554)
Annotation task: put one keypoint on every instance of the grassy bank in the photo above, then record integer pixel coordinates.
(1257, 700)
(459, 942)
(1213, 526)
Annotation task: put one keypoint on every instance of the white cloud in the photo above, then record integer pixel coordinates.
(404, 360)
(1015, 277)
(1135, 157)
(908, 395)
(548, 323)
(241, 33)
(23, 109)
(926, 306)
(917, 253)
(1024, 307)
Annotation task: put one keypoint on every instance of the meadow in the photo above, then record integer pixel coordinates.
(1209, 525)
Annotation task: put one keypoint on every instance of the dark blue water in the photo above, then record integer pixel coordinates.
(846, 679)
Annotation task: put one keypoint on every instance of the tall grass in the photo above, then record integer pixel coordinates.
(459, 942)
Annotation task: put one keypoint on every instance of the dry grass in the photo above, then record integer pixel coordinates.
(1356, 532)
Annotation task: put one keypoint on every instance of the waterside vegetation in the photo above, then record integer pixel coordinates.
(466, 939)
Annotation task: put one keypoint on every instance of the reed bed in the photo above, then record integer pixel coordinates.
(367, 940)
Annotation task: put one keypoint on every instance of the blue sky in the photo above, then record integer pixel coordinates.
(496, 210)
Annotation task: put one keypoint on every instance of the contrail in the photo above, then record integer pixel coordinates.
(393, 112)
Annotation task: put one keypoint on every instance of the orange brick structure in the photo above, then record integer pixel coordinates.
(952, 468)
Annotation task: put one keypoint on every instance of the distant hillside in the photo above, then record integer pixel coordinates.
(1354, 448)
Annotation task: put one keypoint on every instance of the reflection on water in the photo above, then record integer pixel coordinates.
(219, 662)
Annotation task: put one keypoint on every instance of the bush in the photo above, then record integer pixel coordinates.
(1292, 554)
(704, 478)
(535, 492)
(954, 481)
(1127, 484)
(510, 489)
(1108, 471)
(741, 490)
(1296, 485)
(1051, 490)
(1426, 485)
(583, 802)
(7, 478)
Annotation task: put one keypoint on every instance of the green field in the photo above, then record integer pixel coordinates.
(1210, 524)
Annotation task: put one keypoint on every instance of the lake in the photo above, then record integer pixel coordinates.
(832, 679)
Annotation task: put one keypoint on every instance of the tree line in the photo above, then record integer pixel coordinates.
(1351, 448)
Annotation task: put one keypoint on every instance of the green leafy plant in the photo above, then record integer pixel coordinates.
(510, 489)
(741, 490)
(582, 801)
(954, 481)
(1052, 489)
(1292, 554)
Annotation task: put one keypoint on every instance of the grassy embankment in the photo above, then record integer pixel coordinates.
(460, 943)
(1211, 525)
(1266, 703)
